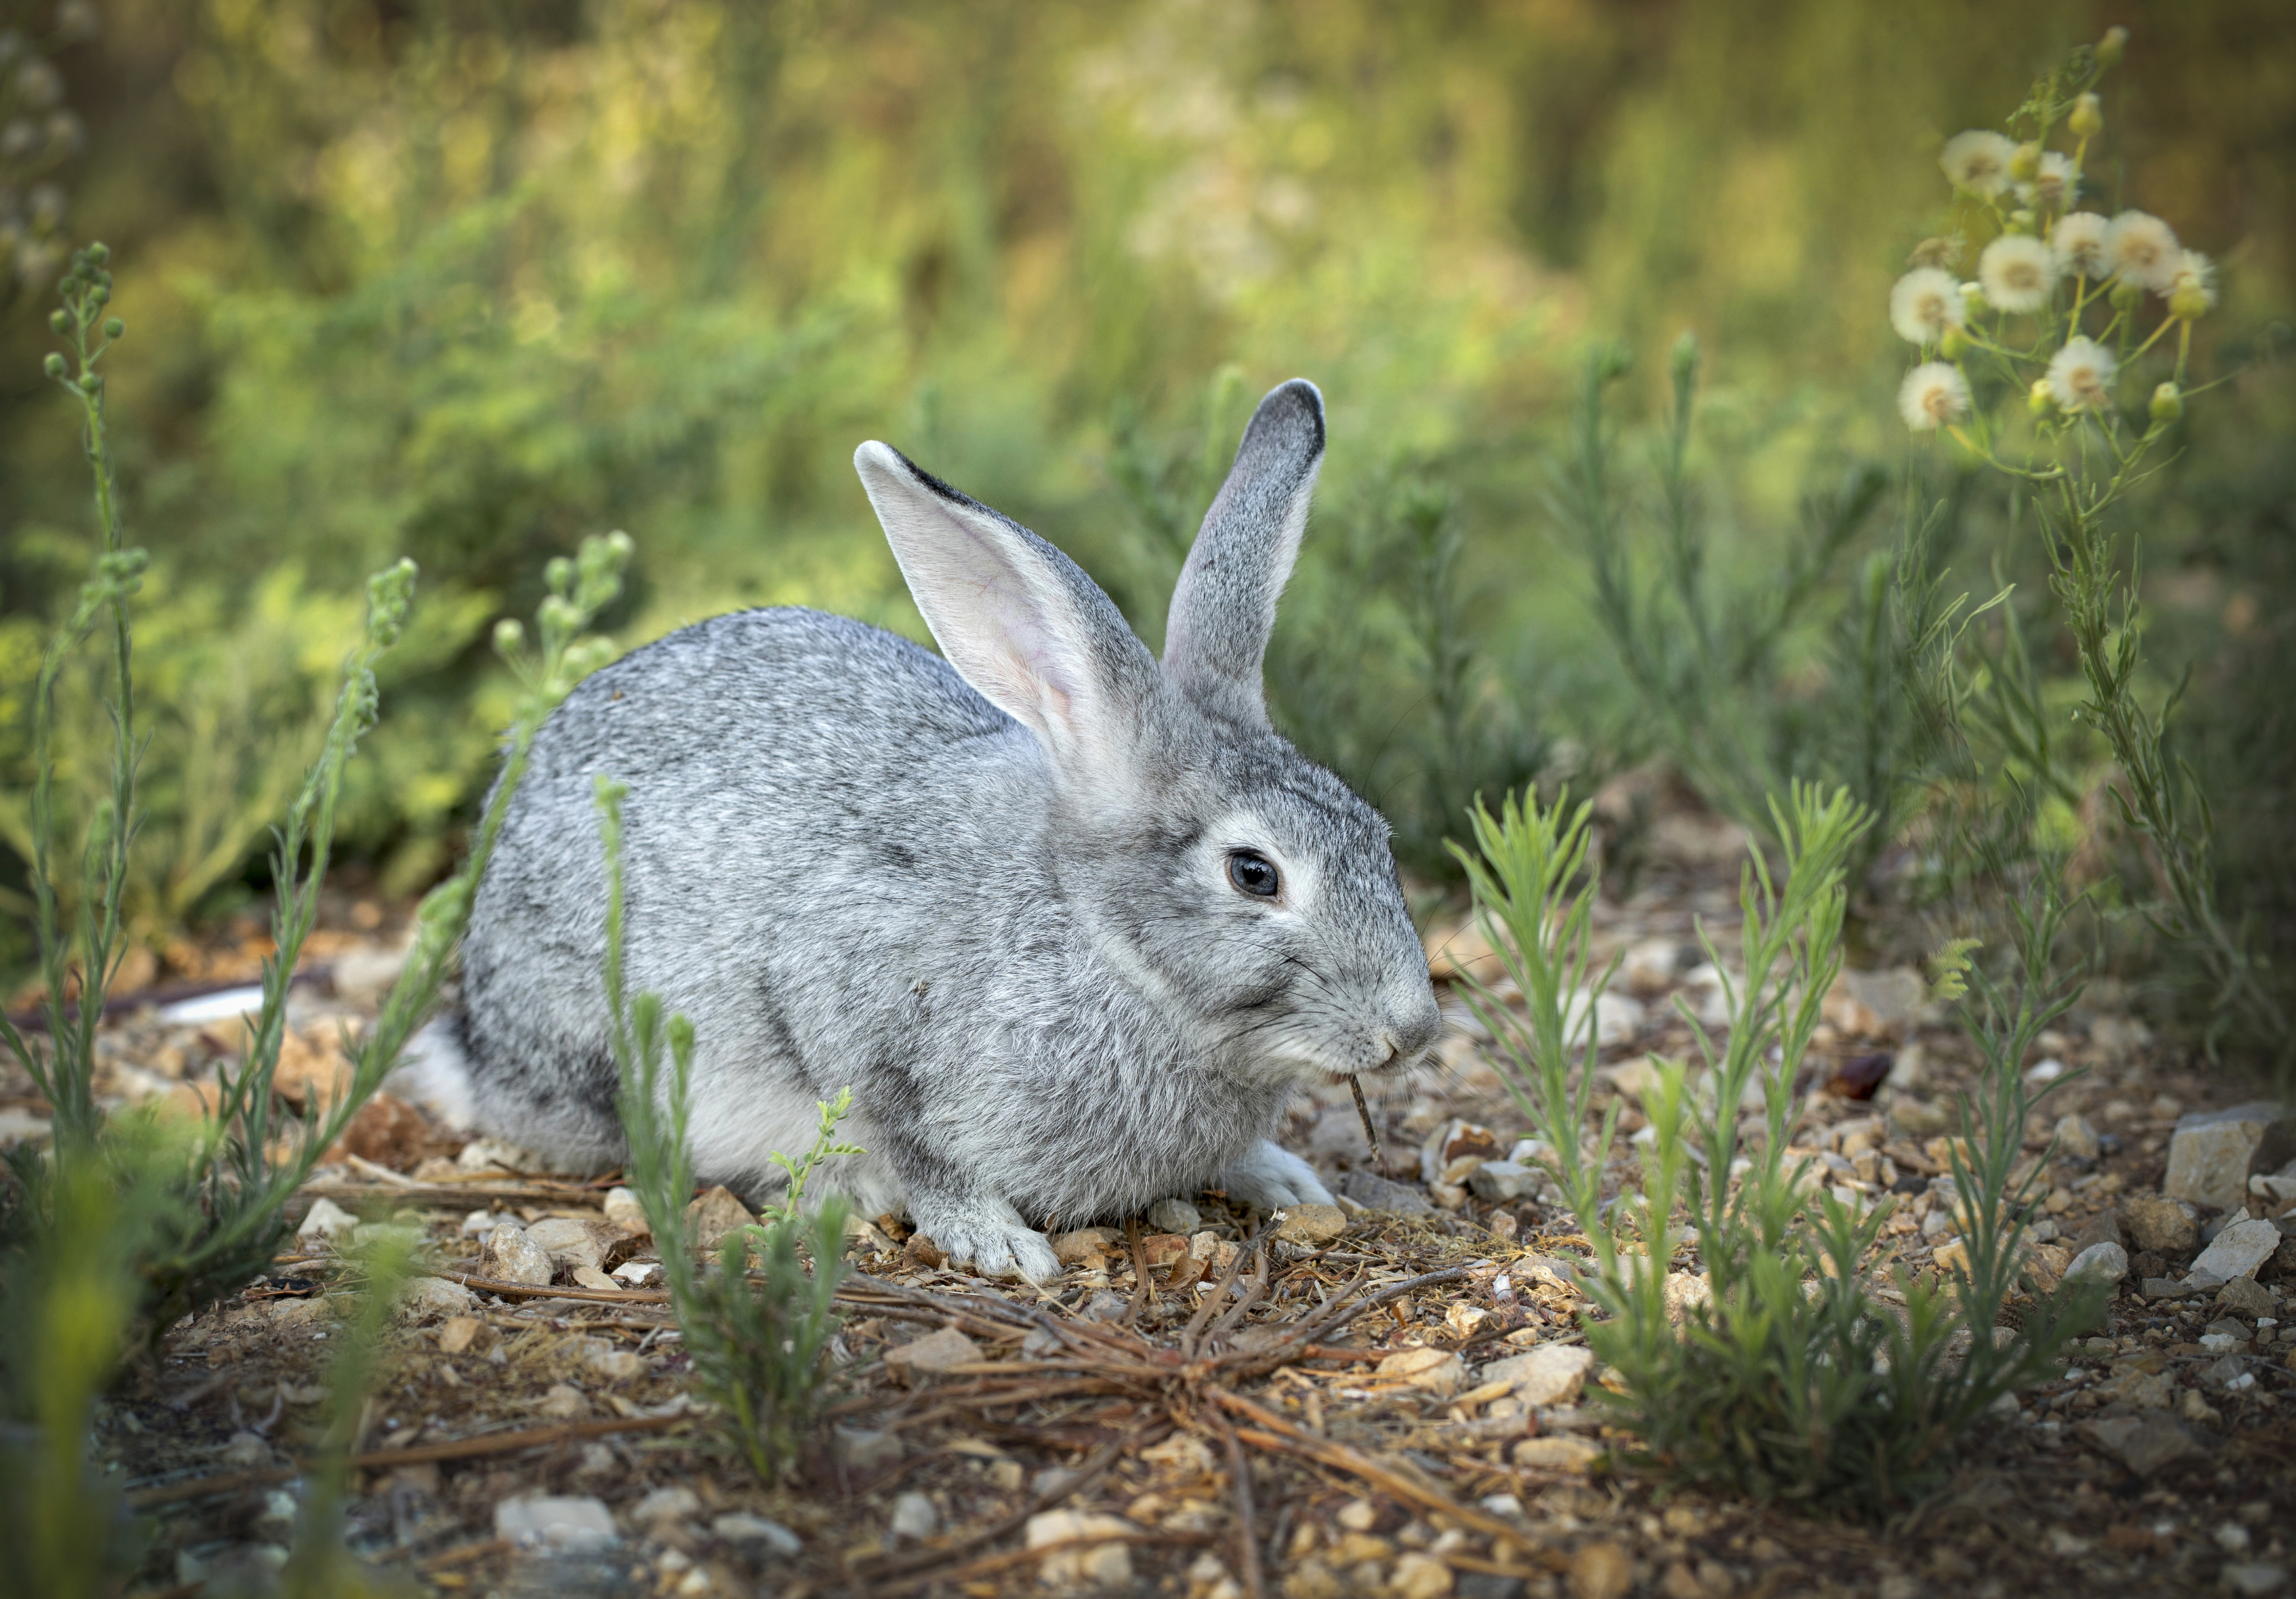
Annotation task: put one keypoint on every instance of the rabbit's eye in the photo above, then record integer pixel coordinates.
(1253, 874)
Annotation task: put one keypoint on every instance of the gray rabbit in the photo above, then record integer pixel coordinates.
(1073, 925)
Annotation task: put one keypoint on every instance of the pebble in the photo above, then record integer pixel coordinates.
(2076, 1137)
(324, 1219)
(1553, 1374)
(666, 1505)
(515, 1257)
(1103, 1564)
(714, 1216)
(2247, 1296)
(435, 1296)
(1599, 1571)
(545, 1522)
(2252, 1578)
(1174, 1216)
(2239, 1250)
(740, 1527)
(1439, 1371)
(1418, 1576)
(489, 1155)
(569, 1242)
(1376, 1193)
(931, 1356)
(2143, 1444)
(1563, 1453)
(914, 1517)
(1499, 1181)
(2108, 1262)
(624, 1210)
(2162, 1224)
(564, 1402)
(458, 1334)
(1312, 1224)
(2209, 1153)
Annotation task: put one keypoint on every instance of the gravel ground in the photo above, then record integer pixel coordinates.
(541, 1435)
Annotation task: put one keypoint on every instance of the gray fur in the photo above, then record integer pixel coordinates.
(999, 909)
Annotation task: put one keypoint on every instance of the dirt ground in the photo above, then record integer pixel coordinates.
(1167, 1437)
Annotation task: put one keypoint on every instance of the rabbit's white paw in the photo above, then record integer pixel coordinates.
(1271, 1178)
(995, 1245)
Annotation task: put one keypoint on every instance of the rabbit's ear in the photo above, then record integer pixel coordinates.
(1016, 618)
(1225, 606)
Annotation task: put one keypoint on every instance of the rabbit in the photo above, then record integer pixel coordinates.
(1073, 924)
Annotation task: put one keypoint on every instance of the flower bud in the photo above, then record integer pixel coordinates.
(1973, 299)
(2026, 164)
(54, 366)
(2126, 294)
(114, 328)
(89, 382)
(2020, 220)
(509, 637)
(99, 252)
(60, 324)
(2036, 399)
(2189, 303)
(2111, 46)
(2168, 403)
(1954, 345)
(2088, 118)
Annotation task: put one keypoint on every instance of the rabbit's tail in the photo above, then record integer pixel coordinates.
(434, 1072)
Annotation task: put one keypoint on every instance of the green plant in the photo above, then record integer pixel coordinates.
(1710, 668)
(1785, 1371)
(2035, 363)
(757, 1345)
(224, 1214)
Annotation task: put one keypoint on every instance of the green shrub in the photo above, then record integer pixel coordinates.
(1786, 1371)
(757, 1344)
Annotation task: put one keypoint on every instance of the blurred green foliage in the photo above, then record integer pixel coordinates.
(463, 283)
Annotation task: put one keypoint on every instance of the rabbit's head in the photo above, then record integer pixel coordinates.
(1245, 891)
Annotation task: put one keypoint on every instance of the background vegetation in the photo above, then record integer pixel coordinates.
(467, 282)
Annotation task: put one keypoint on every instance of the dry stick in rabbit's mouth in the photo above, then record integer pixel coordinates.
(1371, 1134)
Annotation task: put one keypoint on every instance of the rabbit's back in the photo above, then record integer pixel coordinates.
(809, 796)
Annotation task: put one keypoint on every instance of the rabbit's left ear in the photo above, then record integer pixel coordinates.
(1017, 619)
(1215, 635)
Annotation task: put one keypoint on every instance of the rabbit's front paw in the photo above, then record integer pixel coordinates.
(1271, 1178)
(996, 1246)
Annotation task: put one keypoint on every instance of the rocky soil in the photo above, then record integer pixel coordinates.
(1391, 1396)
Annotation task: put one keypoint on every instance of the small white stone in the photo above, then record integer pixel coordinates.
(1103, 1564)
(435, 1296)
(491, 1155)
(666, 1503)
(2107, 1261)
(740, 1527)
(624, 1210)
(325, 1219)
(914, 1517)
(547, 1522)
(2239, 1250)
(515, 1257)
(1499, 1181)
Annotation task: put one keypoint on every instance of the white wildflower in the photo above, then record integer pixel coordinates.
(2192, 290)
(2140, 248)
(2081, 374)
(1979, 161)
(1933, 394)
(1924, 304)
(2078, 242)
(2054, 185)
(2018, 272)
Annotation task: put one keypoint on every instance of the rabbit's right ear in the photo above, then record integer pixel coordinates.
(1017, 619)
(1215, 635)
